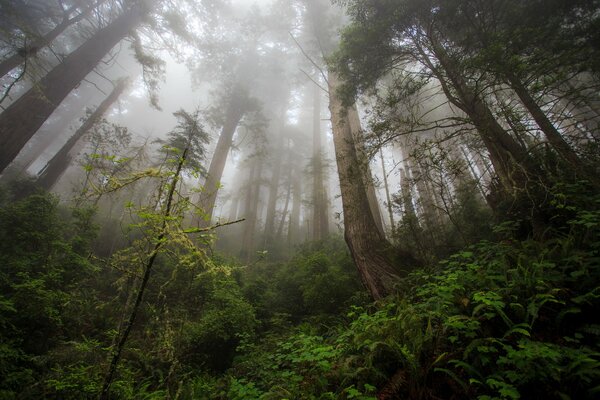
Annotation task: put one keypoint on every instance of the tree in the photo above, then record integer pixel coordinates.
(16, 124)
(38, 43)
(185, 144)
(57, 165)
(367, 245)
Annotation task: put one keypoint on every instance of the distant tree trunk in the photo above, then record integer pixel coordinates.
(32, 49)
(511, 161)
(233, 115)
(407, 198)
(387, 192)
(355, 127)
(274, 187)
(233, 209)
(23, 118)
(54, 169)
(320, 228)
(250, 209)
(552, 134)
(367, 245)
(294, 223)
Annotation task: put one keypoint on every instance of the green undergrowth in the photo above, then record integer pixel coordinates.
(502, 319)
(507, 318)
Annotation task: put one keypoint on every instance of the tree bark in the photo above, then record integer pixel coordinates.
(355, 127)
(23, 118)
(58, 164)
(367, 245)
(233, 115)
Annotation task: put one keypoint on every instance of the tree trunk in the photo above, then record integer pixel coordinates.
(511, 162)
(320, 221)
(363, 158)
(54, 169)
(274, 188)
(367, 245)
(32, 49)
(294, 224)
(387, 192)
(552, 134)
(233, 115)
(250, 210)
(23, 118)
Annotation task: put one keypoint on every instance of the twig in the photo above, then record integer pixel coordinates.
(309, 58)
(215, 226)
(13, 83)
(314, 81)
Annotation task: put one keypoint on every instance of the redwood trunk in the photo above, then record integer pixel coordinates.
(233, 116)
(23, 118)
(367, 245)
(320, 220)
(355, 127)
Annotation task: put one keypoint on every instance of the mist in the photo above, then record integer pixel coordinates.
(241, 199)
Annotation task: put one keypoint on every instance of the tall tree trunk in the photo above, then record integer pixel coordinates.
(23, 118)
(320, 221)
(13, 61)
(54, 169)
(250, 209)
(363, 158)
(274, 187)
(233, 115)
(294, 223)
(367, 245)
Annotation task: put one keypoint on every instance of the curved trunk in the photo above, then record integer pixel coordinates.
(24, 117)
(233, 116)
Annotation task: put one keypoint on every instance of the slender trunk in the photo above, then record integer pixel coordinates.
(253, 196)
(32, 49)
(285, 211)
(552, 134)
(294, 224)
(367, 245)
(104, 394)
(387, 192)
(233, 116)
(511, 162)
(23, 118)
(274, 189)
(54, 169)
